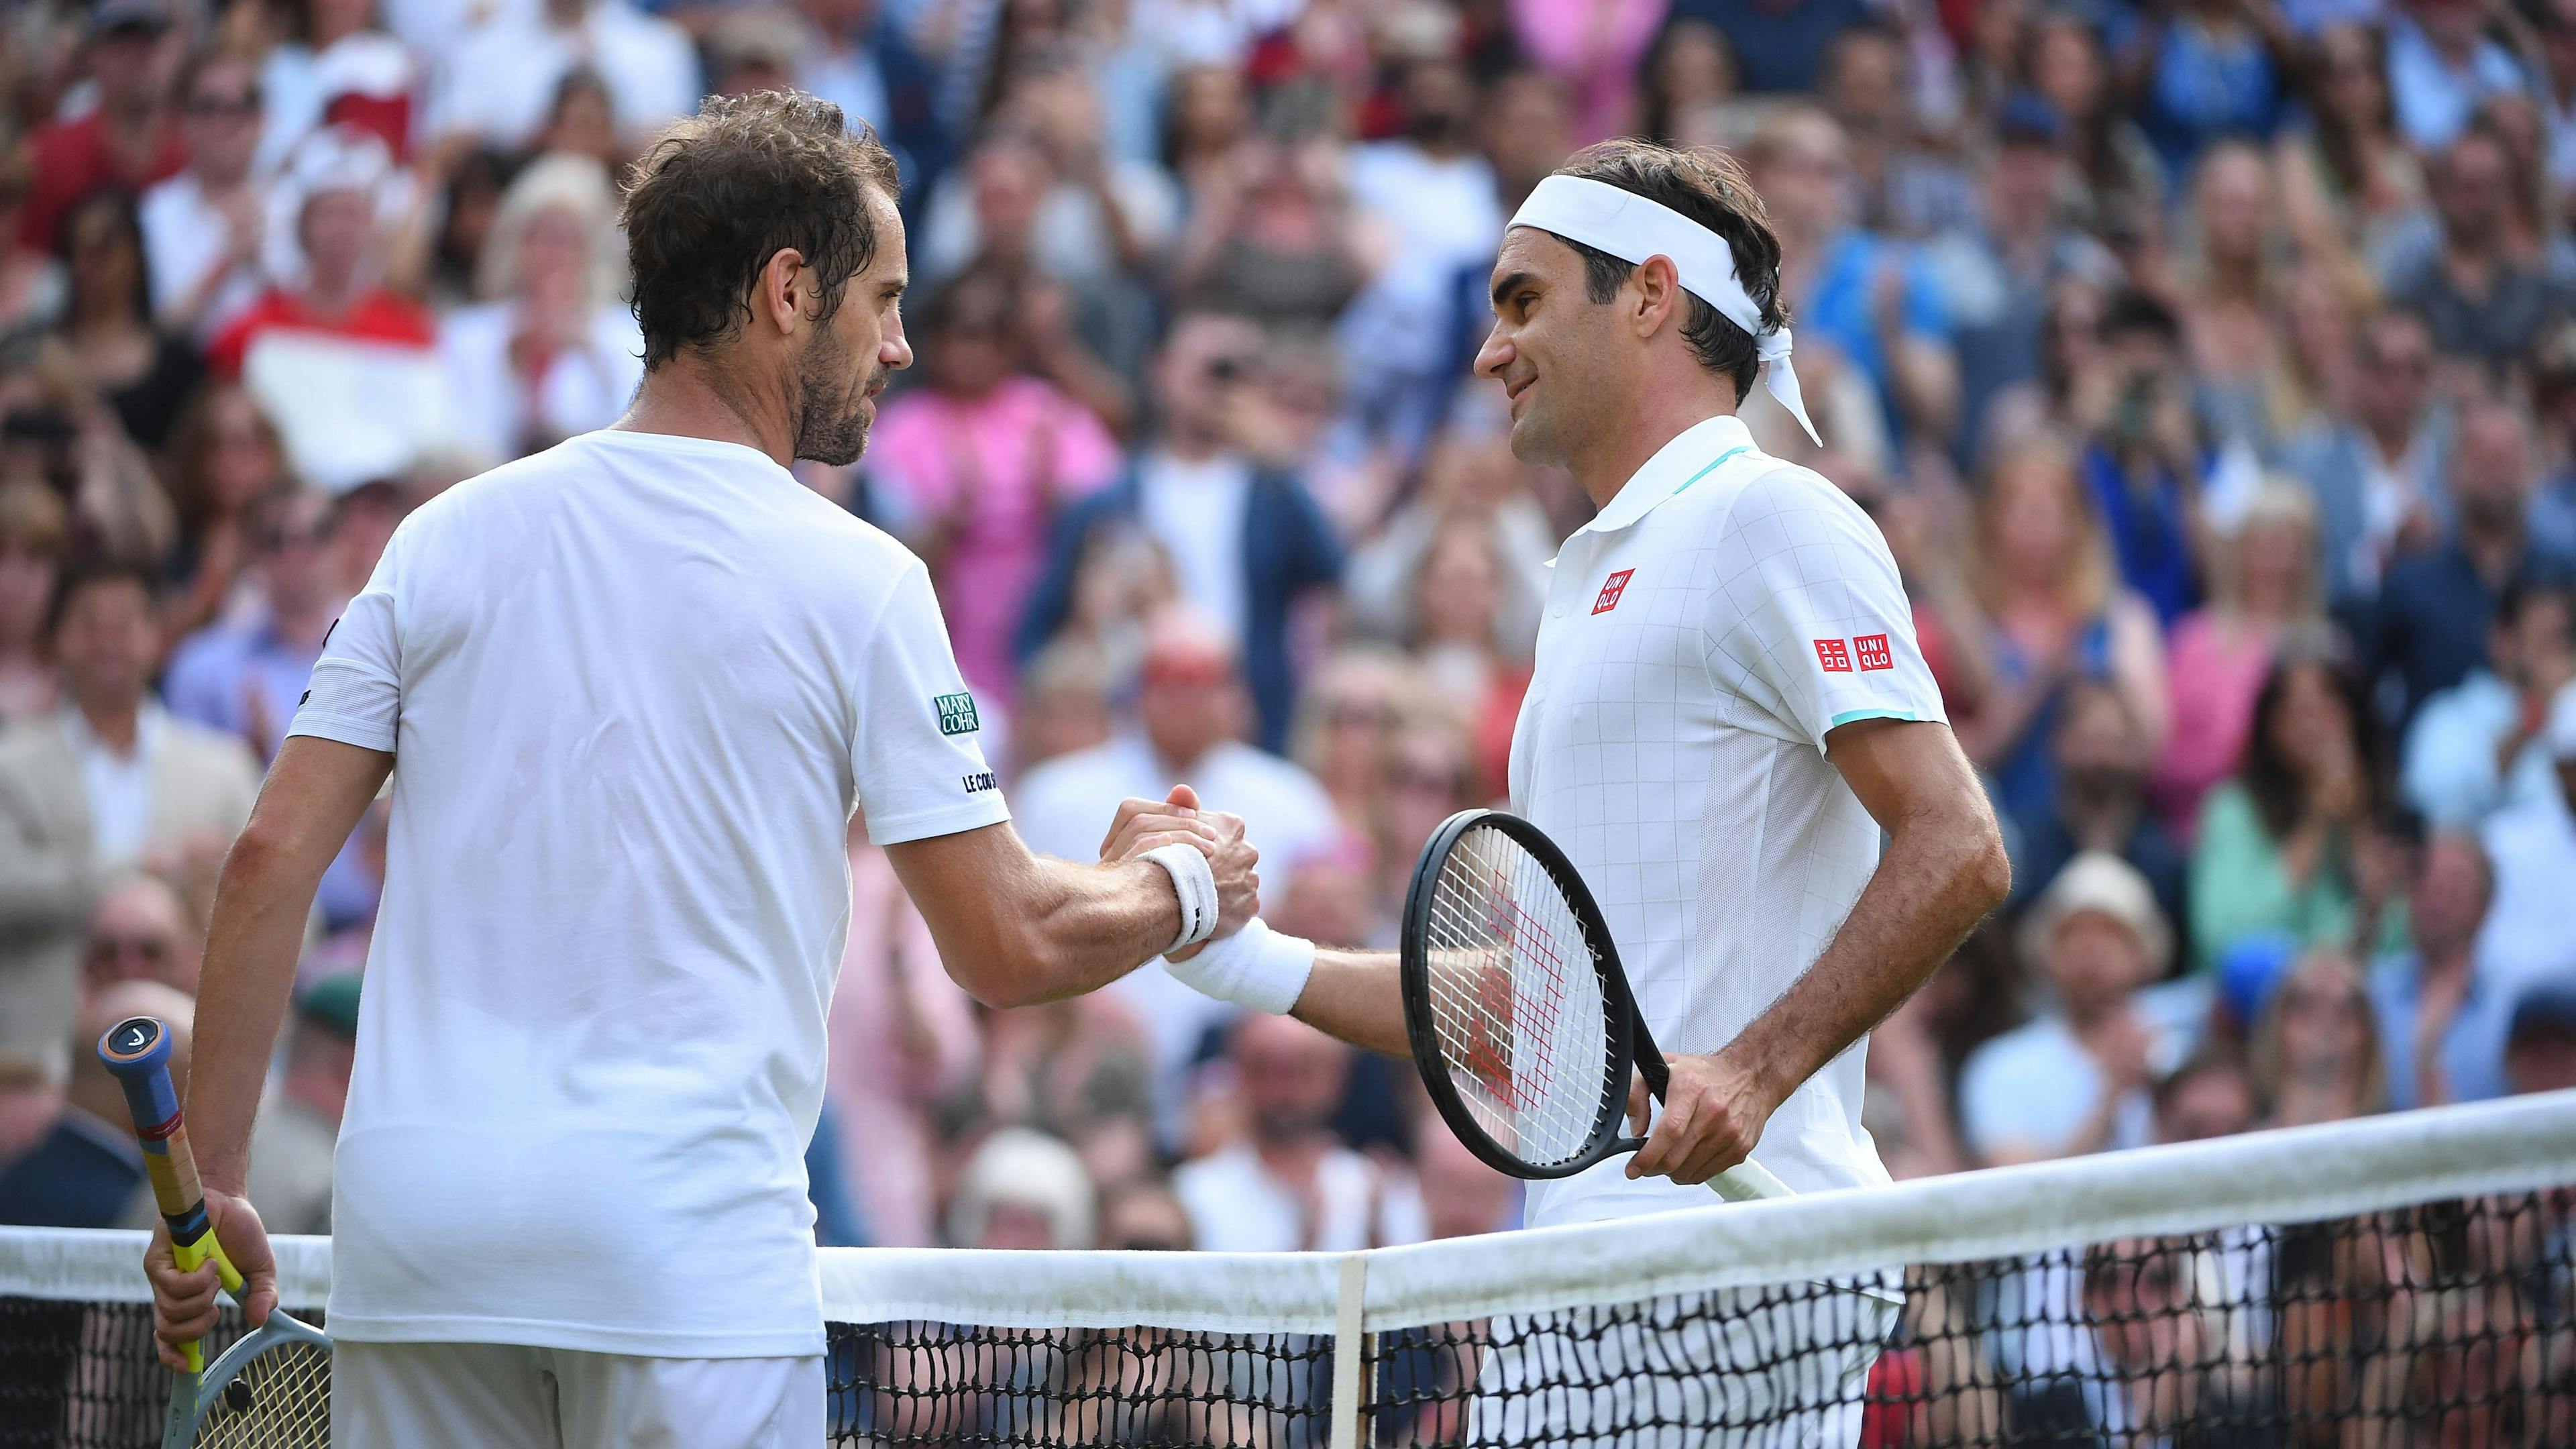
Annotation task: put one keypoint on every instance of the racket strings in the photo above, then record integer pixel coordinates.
(280, 1400)
(1516, 1003)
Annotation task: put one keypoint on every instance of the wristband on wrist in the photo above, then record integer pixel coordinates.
(1256, 967)
(1195, 883)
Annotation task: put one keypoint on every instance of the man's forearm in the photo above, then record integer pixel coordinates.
(1357, 996)
(251, 946)
(1937, 880)
(1101, 922)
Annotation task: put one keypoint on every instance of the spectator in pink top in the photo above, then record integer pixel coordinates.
(2264, 583)
(1595, 46)
(978, 462)
(900, 1036)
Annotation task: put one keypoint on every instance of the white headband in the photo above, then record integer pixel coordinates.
(1632, 228)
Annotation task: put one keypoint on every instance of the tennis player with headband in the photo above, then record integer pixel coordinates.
(1728, 711)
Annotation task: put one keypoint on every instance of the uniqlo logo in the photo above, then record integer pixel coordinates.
(1834, 655)
(1874, 653)
(1611, 589)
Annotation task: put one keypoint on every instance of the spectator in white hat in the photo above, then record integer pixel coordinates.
(1024, 1189)
(2076, 1077)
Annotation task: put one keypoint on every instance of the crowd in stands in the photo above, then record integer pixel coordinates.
(2209, 366)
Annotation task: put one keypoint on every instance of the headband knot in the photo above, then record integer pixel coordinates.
(1633, 228)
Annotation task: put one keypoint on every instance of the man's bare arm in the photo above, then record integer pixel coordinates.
(1944, 869)
(1357, 996)
(1014, 927)
(314, 796)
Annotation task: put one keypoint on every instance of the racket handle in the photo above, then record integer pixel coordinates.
(137, 1052)
(1748, 1181)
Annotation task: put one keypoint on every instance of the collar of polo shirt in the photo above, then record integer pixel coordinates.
(1693, 454)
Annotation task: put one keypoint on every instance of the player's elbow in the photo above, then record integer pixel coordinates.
(1985, 878)
(1017, 970)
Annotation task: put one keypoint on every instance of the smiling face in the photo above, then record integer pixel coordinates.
(1556, 352)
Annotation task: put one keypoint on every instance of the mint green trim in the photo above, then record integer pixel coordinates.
(1847, 716)
(1711, 468)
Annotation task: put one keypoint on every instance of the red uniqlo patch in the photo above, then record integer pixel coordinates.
(1611, 588)
(1834, 656)
(1873, 651)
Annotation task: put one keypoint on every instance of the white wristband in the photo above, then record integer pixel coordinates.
(1195, 883)
(1256, 967)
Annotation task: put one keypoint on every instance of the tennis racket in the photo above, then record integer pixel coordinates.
(1518, 1010)
(270, 1390)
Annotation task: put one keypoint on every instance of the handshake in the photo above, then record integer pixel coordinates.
(1223, 949)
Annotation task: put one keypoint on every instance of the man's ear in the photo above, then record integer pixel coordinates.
(1659, 290)
(782, 296)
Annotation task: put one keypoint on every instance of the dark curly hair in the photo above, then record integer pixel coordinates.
(734, 185)
(1710, 188)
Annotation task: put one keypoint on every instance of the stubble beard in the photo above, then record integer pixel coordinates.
(832, 419)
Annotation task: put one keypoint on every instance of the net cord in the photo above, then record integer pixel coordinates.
(2296, 1175)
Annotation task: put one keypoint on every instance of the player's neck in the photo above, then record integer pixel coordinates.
(1660, 415)
(689, 397)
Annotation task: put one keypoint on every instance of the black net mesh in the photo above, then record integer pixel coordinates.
(2450, 1324)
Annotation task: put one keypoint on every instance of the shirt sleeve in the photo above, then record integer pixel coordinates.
(918, 754)
(1808, 617)
(355, 695)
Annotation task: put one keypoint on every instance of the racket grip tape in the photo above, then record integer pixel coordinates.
(136, 1051)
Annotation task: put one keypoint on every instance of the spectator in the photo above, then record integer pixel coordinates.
(348, 375)
(2143, 457)
(244, 676)
(501, 78)
(2316, 1049)
(2533, 849)
(225, 461)
(1144, 1217)
(143, 375)
(1688, 82)
(863, 60)
(2346, 175)
(2279, 845)
(2117, 172)
(1908, 186)
(32, 290)
(1346, 722)
(1271, 236)
(299, 1125)
(129, 139)
(2263, 592)
(1244, 536)
(2441, 65)
(2234, 281)
(552, 351)
(2208, 69)
(87, 1171)
(332, 53)
(140, 931)
(1023, 1189)
(2475, 748)
(2379, 473)
(1287, 1184)
(2055, 613)
(2480, 301)
(2431, 626)
(2441, 1027)
(30, 1103)
(1459, 615)
(982, 461)
(901, 1037)
(203, 229)
(2540, 1048)
(2074, 1079)
(2211, 1095)
(1999, 271)
(2100, 758)
(1046, 190)
(1873, 300)
(1064, 704)
(1780, 45)
(1596, 50)
(34, 536)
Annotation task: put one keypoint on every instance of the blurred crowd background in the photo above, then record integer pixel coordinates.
(2209, 365)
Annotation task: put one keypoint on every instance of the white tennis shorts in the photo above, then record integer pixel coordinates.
(1744, 1368)
(499, 1396)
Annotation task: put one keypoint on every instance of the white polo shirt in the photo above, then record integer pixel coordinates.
(632, 686)
(1703, 635)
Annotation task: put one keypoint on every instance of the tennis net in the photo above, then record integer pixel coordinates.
(2406, 1280)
